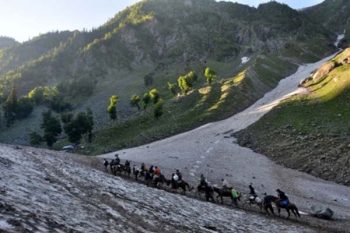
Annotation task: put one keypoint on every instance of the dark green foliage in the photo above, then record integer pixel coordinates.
(154, 94)
(35, 139)
(158, 109)
(10, 107)
(51, 97)
(135, 101)
(52, 128)
(112, 107)
(24, 108)
(209, 74)
(59, 105)
(77, 127)
(146, 100)
(172, 87)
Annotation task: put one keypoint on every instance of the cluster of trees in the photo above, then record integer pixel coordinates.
(185, 82)
(74, 126)
(15, 108)
(150, 97)
(183, 85)
(50, 97)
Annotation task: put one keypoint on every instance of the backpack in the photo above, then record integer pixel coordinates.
(176, 177)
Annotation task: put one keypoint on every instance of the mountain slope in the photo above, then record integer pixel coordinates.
(164, 39)
(332, 14)
(45, 191)
(310, 132)
(18, 54)
(7, 42)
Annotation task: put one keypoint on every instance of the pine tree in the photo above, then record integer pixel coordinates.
(52, 128)
(112, 107)
(210, 75)
(135, 101)
(10, 107)
(146, 100)
(154, 94)
(158, 109)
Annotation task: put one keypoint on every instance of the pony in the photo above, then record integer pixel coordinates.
(207, 190)
(290, 207)
(158, 180)
(180, 184)
(226, 192)
(267, 204)
(255, 200)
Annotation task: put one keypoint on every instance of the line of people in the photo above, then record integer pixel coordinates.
(154, 175)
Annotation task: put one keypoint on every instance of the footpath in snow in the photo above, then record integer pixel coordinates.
(46, 191)
(208, 150)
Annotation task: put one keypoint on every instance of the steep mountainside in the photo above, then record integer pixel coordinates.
(18, 54)
(7, 42)
(163, 39)
(310, 132)
(332, 14)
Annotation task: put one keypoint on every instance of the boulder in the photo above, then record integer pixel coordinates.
(322, 212)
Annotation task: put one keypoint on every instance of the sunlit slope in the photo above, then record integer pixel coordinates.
(311, 132)
(165, 39)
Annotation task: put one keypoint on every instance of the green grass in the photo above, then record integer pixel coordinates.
(326, 109)
(225, 97)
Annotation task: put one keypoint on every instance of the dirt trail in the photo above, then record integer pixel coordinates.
(210, 151)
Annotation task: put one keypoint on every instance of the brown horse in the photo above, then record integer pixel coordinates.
(207, 190)
(226, 192)
(180, 184)
(159, 180)
(290, 207)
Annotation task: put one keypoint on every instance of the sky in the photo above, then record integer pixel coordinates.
(25, 19)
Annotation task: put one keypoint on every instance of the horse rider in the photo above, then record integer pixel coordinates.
(225, 184)
(235, 196)
(117, 159)
(143, 169)
(203, 182)
(252, 190)
(127, 163)
(157, 171)
(105, 163)
(179, 175)
(283, 199)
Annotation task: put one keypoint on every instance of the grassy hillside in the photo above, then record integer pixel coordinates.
(311, 132)
(165, 39)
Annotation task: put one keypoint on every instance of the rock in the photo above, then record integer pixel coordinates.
(322, 212)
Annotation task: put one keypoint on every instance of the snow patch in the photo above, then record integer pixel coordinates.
(339, 39)
(4, 225)
(245, 60)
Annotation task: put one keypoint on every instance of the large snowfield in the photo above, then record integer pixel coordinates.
(43, 191)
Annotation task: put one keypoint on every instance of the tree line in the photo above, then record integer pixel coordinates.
(183, 86)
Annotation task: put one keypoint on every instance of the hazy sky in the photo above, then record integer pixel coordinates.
(24, 19)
